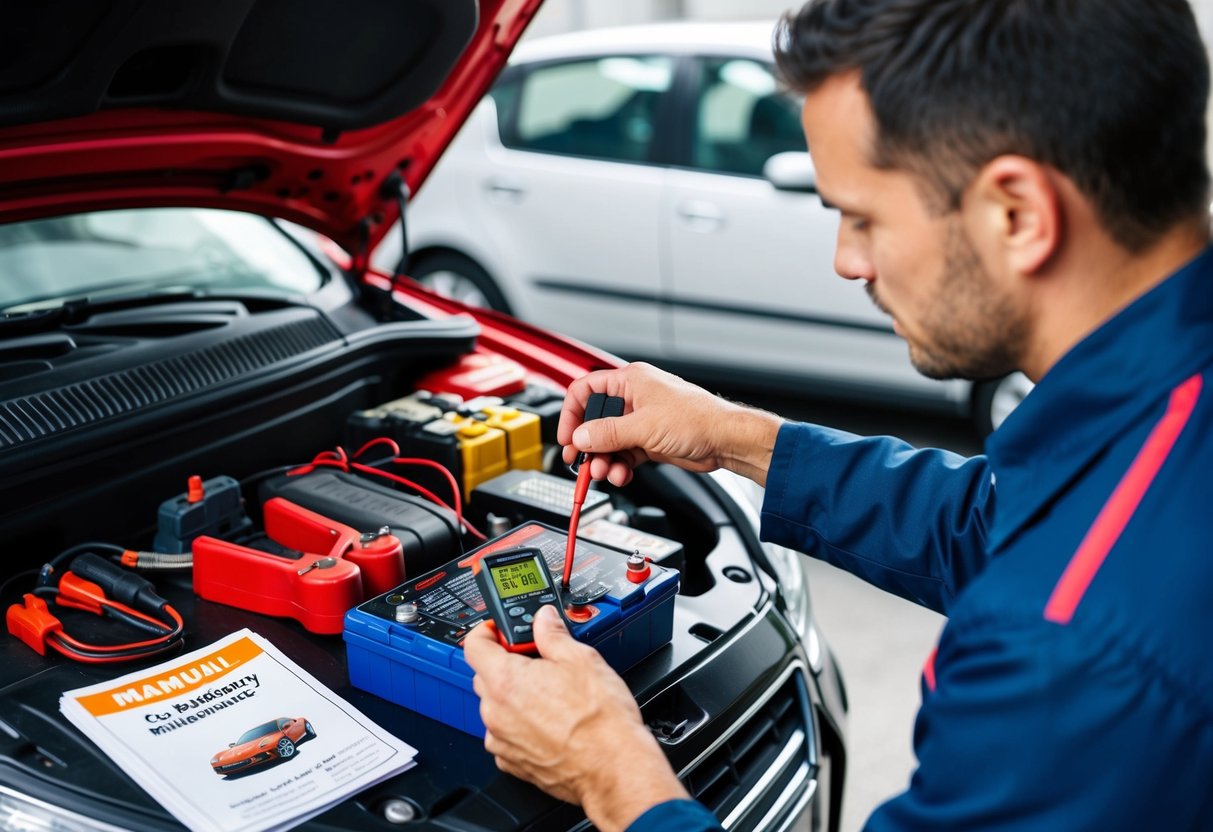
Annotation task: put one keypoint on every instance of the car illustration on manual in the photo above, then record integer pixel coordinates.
(270, 741)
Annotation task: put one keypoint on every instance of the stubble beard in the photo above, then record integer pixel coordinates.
(974, 330)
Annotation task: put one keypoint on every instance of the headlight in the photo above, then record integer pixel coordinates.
(22, 813)
(791, 584)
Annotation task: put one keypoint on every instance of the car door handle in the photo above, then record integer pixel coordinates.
(506, 189)
(701, 215)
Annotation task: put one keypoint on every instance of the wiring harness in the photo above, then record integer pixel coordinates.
(102, 587)
(338, 458)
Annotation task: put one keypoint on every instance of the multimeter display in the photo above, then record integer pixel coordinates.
(515, 585)
(518, 578)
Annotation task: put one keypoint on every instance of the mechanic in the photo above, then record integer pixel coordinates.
(1022, 184)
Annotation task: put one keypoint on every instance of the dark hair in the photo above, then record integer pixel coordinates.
(1112, 93)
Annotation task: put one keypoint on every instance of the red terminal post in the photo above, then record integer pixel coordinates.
(579, 613)
(638, 568)
(194, 492)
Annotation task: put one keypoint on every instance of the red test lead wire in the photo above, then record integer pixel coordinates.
(597, 406)
(579, 492)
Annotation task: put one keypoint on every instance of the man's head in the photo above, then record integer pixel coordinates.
(1098, 104)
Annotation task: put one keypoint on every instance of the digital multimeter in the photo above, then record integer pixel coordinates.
(514, 585)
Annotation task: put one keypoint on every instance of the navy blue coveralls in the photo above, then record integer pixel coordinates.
(1072, 687)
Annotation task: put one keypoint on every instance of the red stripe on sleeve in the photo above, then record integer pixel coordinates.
(928, 670)
(1119, 509)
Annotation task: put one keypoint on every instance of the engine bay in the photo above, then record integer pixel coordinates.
(407, 430)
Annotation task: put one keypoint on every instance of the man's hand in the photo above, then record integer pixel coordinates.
(665, 419)
(567, 723)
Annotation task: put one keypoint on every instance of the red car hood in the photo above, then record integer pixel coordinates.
(307, 110)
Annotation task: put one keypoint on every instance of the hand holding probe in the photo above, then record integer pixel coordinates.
(598, 406)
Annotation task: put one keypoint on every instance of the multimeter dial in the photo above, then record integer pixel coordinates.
(515, 584)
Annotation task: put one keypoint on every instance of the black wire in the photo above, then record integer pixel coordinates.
(51, 567)
(119, 655)
(164, 629)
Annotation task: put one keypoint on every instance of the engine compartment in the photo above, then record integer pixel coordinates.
(107, 479)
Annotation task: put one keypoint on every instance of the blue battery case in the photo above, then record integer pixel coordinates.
(419, 664)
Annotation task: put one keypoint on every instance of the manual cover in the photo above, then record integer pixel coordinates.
(236, 736)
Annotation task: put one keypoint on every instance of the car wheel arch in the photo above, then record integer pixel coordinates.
(436, 256)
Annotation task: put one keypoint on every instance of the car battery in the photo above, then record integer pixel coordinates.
(482, 448)
(428, 532)
(654, 547)
(407, 644)
(524, 444)
(544, 402)
(472, 450)
(535, 495)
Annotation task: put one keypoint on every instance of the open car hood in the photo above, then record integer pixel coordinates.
(308, 110)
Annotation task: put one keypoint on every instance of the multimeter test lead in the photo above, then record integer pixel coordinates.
(579, 492)
(598, 406)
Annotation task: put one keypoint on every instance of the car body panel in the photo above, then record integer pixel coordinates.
(659, 260)
(324, 164)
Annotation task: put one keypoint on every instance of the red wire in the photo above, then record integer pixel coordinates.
(80, 657)
(169, 633)
(379, 440)
(338, 459)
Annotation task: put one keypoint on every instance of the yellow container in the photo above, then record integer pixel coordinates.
(483, 449)
(522, 435)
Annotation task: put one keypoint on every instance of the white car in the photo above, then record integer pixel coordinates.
(647, 190)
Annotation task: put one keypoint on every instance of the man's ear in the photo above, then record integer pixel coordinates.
(1017, 204)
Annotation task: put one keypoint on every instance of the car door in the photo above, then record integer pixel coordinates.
(572, 196)
(751, 275)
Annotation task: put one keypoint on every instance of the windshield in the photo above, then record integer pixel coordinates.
(44, 263)
(259, 731)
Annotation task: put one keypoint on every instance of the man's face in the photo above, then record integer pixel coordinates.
(920, 265)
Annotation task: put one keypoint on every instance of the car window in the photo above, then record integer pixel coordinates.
(601, 108)
(258, 732)
(742, 118)
(45, 262)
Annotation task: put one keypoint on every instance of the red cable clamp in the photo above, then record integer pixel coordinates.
(32, 622)
(79, 593)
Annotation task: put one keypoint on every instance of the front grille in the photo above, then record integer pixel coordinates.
(764, 768)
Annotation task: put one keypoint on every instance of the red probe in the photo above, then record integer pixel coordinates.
(598, 406)
(579, 492)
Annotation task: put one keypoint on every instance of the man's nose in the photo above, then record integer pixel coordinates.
(851, 260)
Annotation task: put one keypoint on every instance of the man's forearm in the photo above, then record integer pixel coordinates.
(633, 780)
(748, 441)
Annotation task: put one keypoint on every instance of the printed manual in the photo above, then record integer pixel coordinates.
(236, 736)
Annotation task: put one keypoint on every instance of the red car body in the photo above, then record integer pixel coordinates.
(274, 740)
